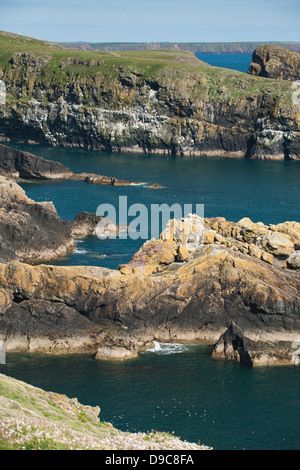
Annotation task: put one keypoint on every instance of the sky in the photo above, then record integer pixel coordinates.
(153, 20)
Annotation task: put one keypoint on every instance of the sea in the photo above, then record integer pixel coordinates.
(239, 62)
(173, 387)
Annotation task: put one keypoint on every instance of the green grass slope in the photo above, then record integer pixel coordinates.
(65, 64)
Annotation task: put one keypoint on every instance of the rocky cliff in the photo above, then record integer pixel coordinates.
(149, 101)
(32, 231)
(170, 291)
(275, 62)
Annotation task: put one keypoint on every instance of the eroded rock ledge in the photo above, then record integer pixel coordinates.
(169, 292)
(15, 163)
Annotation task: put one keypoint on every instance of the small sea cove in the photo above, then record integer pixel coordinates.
(174, 388)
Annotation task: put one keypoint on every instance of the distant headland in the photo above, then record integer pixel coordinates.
(195, 47)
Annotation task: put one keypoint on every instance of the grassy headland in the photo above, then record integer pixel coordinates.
(33, 419)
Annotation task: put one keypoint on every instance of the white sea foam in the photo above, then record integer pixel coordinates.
(168, 348)
(80, 252)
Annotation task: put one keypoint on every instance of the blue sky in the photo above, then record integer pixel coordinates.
(153, 20)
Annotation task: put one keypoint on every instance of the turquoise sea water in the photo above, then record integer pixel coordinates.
(238, 62)
(185, 391)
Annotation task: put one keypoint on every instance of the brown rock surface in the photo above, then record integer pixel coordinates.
(69, 309)
(275, 62)
(30, 231)
(175, 288)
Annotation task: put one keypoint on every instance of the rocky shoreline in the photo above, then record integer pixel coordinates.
(179, 288)
(33, 232)
(234, 286)
(20, 165)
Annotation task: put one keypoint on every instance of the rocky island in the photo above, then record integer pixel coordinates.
(156, 101)
(275, 62)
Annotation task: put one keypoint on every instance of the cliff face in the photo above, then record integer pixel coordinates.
(152, 101)
(275, 62)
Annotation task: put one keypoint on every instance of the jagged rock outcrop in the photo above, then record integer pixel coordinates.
(163, 102)
(234, 345)
(233, 276)
(15, 163)
(30, 231)
(33, 232)
(89, 224)
(275, 62)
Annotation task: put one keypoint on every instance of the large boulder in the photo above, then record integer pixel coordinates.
(234, 345)
(90, 224)
(275, 62)
(278, 244)
(293, 261)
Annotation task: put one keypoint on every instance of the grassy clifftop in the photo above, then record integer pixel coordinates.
(149, 62)
(33, 419)
(61, 65)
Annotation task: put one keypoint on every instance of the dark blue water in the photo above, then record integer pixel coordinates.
(238, 62)
(267, 191)
(222, 404)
